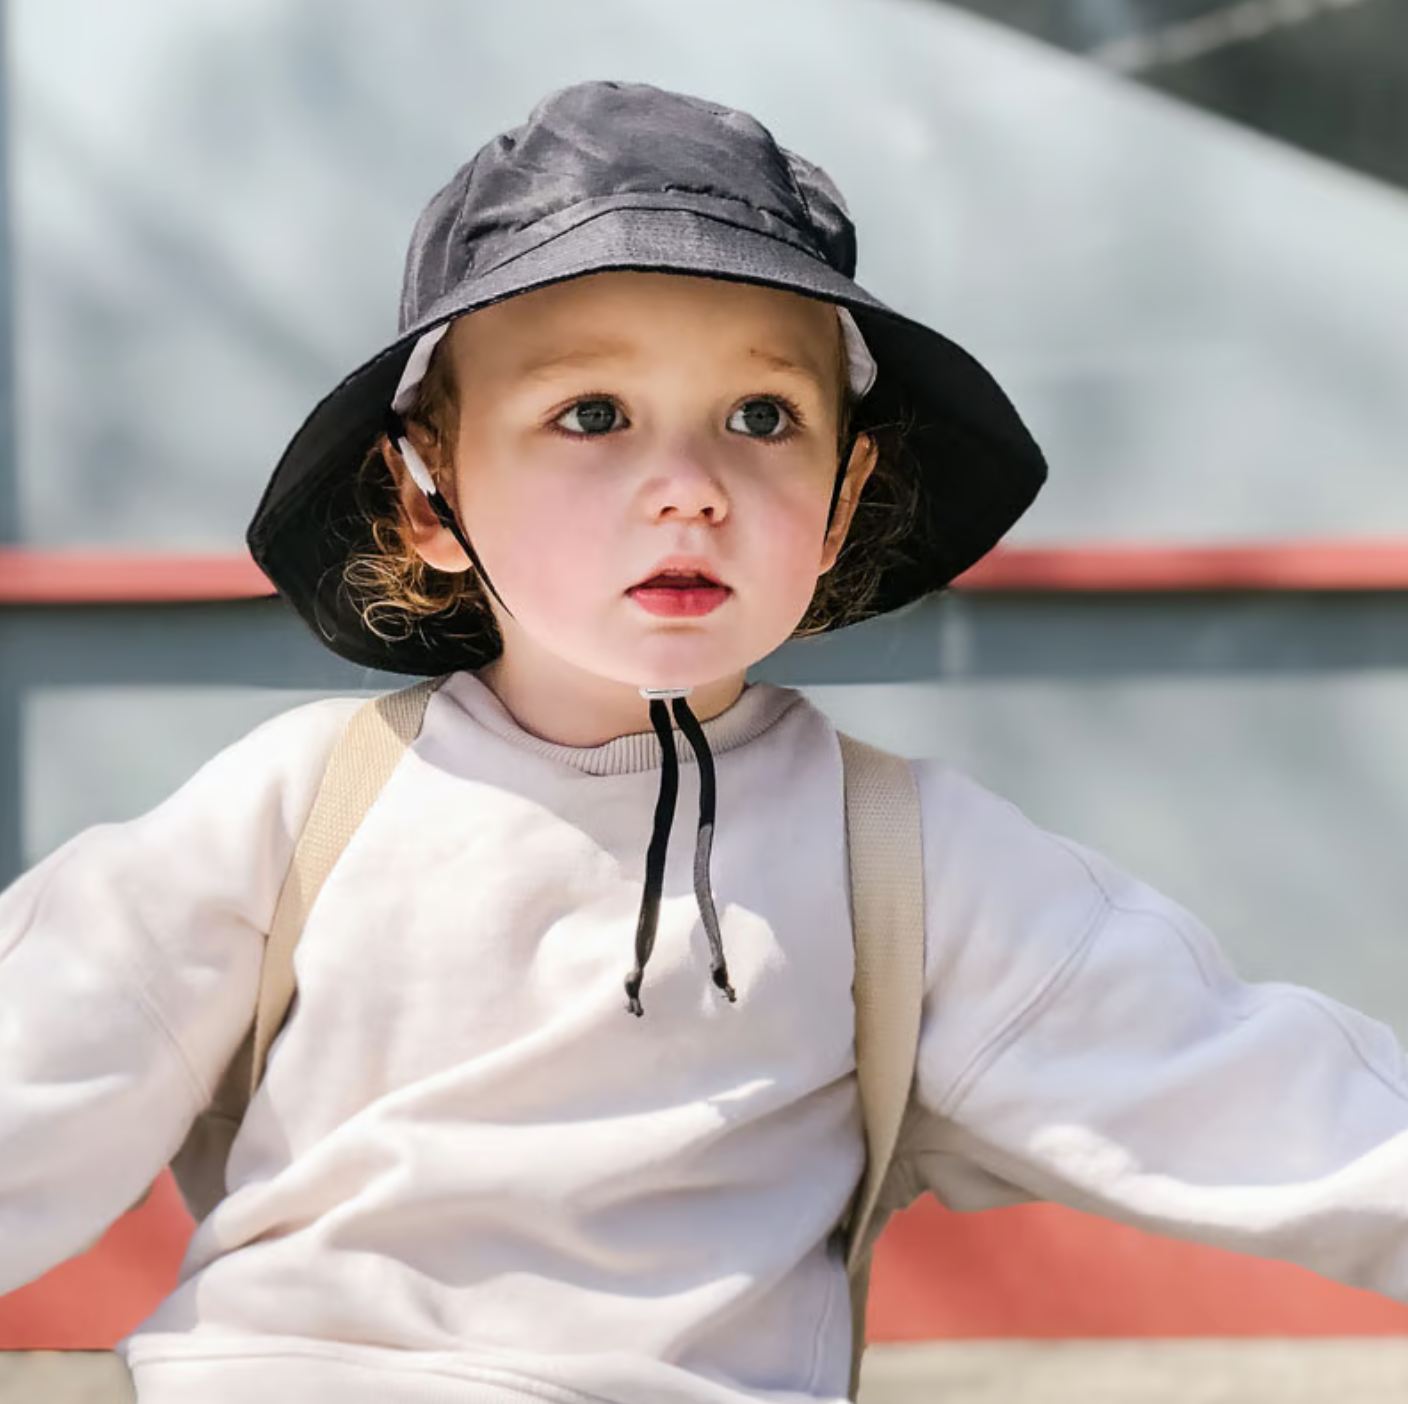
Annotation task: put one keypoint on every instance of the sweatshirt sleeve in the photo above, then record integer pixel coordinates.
(1085, 1041)
(129, 965)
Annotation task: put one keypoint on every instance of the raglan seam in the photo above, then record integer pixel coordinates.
(1031, 1009)
(201, 1094)
(127, 980)
(118, 962)
(1020, 1019)
(1266, 993)
(1017, 1020)
(1263, 993)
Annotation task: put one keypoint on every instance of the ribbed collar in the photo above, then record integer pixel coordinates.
(759, 707)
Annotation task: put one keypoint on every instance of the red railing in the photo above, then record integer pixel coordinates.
(43, 577)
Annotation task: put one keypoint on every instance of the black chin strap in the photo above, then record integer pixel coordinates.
(841, 467)
(444, 513)
(660, 840)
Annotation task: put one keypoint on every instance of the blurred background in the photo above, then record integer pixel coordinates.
(1177, 231)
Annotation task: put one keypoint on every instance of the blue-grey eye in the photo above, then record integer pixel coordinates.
(759, 419)
(590, 417)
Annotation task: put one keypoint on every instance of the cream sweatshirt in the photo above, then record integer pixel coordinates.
(470, 1175)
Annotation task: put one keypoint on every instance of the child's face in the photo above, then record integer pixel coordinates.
(617, 424)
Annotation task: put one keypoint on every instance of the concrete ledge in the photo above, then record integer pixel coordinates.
(1365, 1371)
(67, 1377)
(1361, 1371)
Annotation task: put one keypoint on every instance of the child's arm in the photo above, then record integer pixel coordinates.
(129, 962)
(1084, 1041)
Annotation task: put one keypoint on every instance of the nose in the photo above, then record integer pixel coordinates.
(685, 486)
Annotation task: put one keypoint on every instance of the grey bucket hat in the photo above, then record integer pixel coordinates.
(606, 176)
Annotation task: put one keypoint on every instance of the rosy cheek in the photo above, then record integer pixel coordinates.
(798, 527)
(555, 544)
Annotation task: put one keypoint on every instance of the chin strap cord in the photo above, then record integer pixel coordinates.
(395, 427)
(846, 451)
(704, 844)
(649, 918)
(655, 855)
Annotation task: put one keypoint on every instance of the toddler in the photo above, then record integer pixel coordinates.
(564, 1112)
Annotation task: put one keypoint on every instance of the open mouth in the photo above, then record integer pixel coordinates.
(680, 580)
(679, 593)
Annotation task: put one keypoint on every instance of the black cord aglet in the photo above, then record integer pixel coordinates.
(721, 980)
(704, 844)
(633, 1004)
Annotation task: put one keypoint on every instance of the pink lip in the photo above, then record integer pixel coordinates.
(680, 601)
(692, 597)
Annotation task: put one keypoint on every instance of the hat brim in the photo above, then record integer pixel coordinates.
(978, 466)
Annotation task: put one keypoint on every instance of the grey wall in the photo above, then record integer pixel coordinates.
(1207, 329)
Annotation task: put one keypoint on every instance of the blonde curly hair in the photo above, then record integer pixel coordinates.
(400, 596)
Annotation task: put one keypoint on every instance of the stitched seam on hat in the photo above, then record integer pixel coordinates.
(787, 159)
(667, 209)
(626, 200)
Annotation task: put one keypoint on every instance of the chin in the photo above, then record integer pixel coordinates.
(670, 673)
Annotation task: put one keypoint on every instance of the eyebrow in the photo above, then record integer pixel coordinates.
(596, 352)
(588, 355)
(784, 363)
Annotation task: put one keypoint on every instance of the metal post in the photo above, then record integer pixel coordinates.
(11, 700)
(9, 467)
(11, 768)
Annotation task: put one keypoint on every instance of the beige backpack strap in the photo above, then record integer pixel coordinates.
(366, 753)
(361, 762)
(887, 907)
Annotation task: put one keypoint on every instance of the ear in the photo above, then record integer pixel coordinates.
(432, 540)
(864, 456)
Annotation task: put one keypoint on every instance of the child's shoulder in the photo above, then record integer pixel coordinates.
(297, 740)
(986, 859)
(312, 725)
(972, 829)
(960, 810)
(269, 776)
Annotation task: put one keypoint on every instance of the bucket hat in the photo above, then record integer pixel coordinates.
(622, 176)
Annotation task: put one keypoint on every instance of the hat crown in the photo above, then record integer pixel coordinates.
(604, 146)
